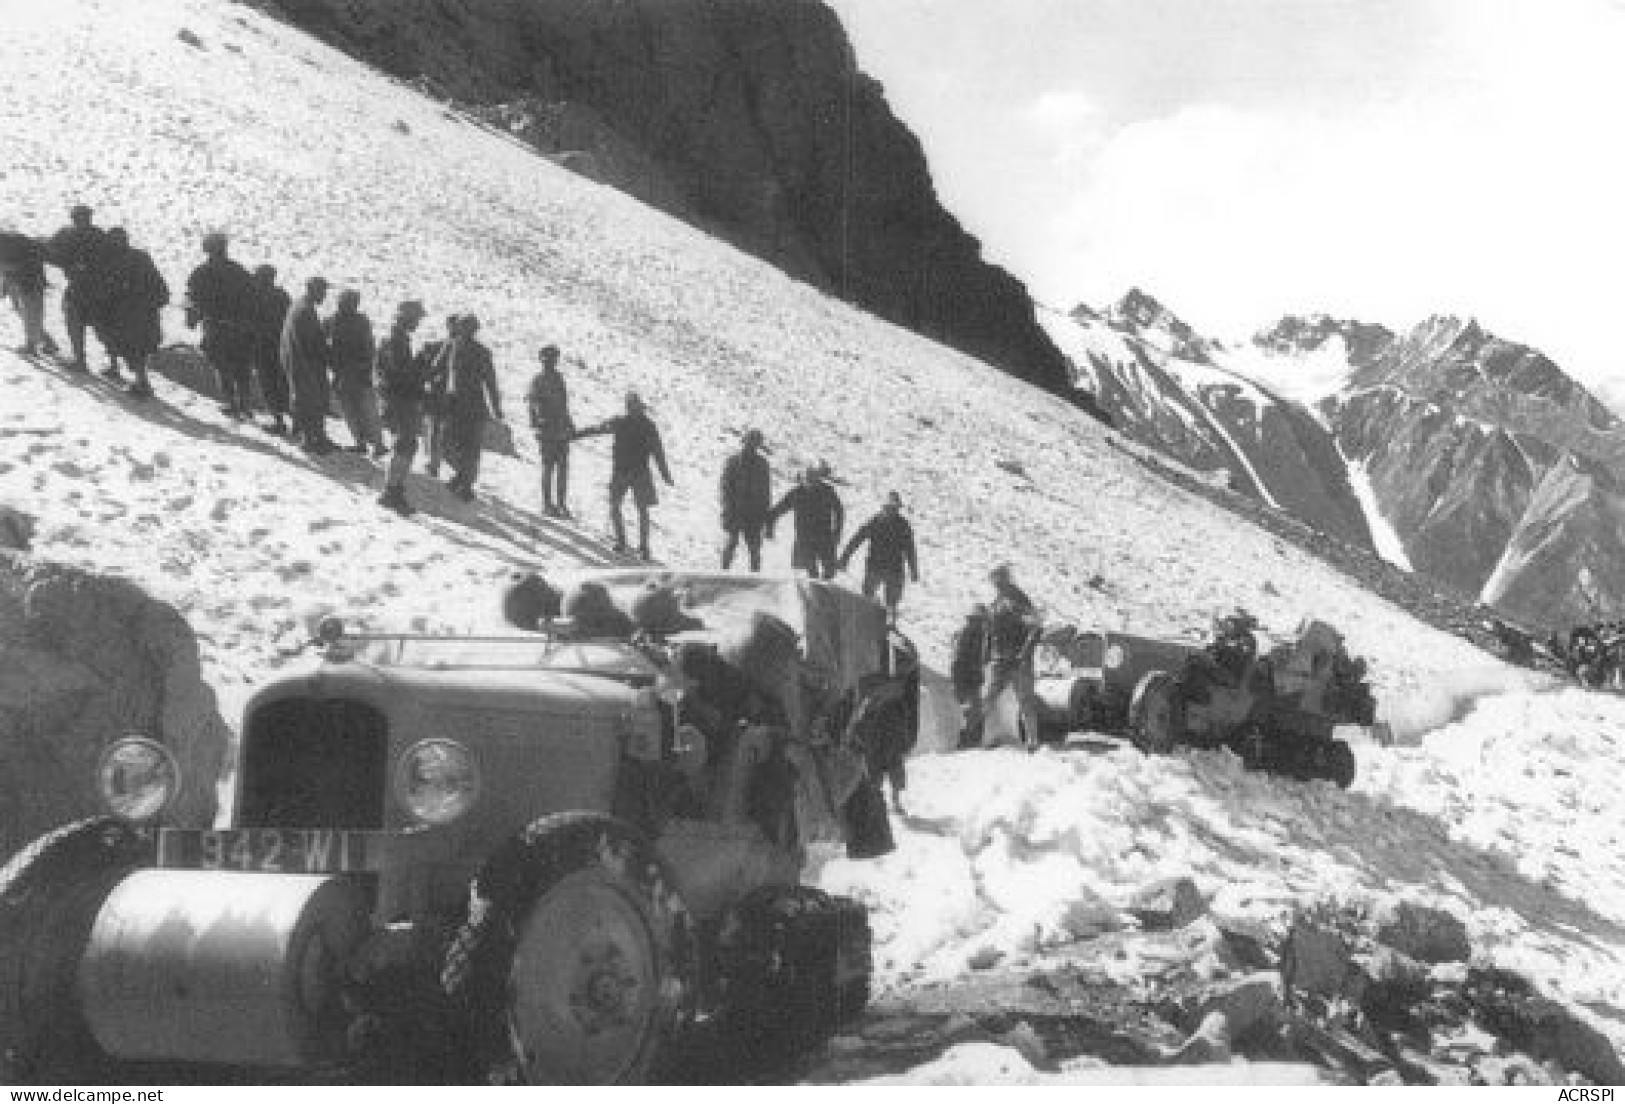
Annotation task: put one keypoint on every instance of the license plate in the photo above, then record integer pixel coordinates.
(269, 850)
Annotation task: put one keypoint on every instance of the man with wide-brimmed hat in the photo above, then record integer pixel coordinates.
(891, 551)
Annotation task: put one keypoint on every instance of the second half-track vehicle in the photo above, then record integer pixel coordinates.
(1278, 711)
(546, 857)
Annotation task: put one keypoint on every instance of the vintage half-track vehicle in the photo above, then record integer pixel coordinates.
(547, 857)
(1277, 711)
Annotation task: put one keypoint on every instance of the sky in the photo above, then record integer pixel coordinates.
(1384, 160)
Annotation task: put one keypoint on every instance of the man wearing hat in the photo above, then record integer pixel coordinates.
(548, 402)
(305, 360)
(891, 551)
(747, 496)
(221, 295)
(402, 385)
(472, 399)
(76, 249)
(819, 518)
(636, 444)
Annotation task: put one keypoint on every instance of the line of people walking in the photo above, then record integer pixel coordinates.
(439, 398)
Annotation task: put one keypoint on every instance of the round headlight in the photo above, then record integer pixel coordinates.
(437, 780)
(138, 778)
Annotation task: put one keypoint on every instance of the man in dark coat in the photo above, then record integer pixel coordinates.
(132, 292)
(351, 349)
(305, 360)
(819, 518)
(402, 384)
(747, 498)
(75, 249)
(22, 280)
(891, 551)
(472, 399)
(548, 402)
(271, 310)
(220, 294)
(636, 444)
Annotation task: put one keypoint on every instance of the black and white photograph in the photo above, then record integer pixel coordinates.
(818, 543)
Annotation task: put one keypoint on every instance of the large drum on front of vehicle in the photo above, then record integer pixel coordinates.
(220, 967)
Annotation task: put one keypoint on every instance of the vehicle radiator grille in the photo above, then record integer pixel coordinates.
(314, 764)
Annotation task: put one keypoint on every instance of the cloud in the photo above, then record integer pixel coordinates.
(1069, 128)
(1494, 188)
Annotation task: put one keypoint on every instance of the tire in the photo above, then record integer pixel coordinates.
(1157, 714)
(576, 965)
(50, 893)
(796, 964)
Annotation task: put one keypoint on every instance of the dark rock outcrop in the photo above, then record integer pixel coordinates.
(749, 119)
(85, 659)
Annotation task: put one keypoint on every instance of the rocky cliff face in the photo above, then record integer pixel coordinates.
(1495, 467)
(747, 118)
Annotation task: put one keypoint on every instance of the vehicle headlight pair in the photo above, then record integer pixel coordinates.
(138, 778)
(437, 780)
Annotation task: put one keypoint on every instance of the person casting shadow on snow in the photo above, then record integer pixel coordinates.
(472, 400)
(434, 357)
(271, 306)
(819, 518)
(747, 496)
(636, 443)
(22, 281)
(351, 348)
(891, 551)
(76, 249)
(130, 292)
(402, 382)
(548, 402)
(305, 360)
(221, 297)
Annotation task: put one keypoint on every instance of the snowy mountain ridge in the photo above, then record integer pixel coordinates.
(1429, 446)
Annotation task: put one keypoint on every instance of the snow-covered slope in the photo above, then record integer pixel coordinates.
(319, 165)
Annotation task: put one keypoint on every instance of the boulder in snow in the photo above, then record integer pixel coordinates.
(85, 659)
(1424, 933)
(1168, 904)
